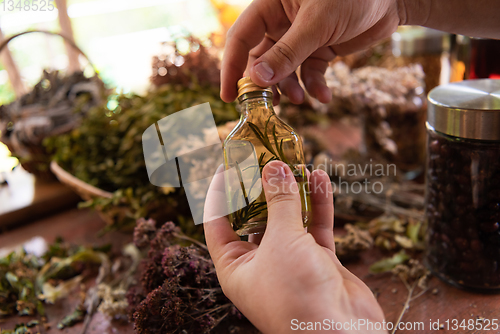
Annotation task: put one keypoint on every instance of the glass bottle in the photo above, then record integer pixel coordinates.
(259, 138)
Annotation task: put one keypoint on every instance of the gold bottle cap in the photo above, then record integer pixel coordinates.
(246, 85)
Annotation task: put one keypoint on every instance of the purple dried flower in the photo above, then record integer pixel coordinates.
(179, 290)
(165, 236)
(144, 232)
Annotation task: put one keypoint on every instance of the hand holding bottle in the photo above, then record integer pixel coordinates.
(260, 134)
(289, 274)
(271, 38)
(281, 35)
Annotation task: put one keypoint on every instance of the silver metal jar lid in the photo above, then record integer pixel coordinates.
(467, 109)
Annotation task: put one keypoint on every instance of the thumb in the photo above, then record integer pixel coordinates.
(283, 199)
(283, 58)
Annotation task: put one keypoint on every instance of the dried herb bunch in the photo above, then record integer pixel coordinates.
(28, 281)
(350, 245)
(178, 291)
(106, 150)
(186, 61)
(393, 106)
(55, 105)
(18, 273)
(393, 232)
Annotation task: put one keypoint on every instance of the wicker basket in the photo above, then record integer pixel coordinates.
(114, 215)
(85, 190)
(88, 192)
(58, 112)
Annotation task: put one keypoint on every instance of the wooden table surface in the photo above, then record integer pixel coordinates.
(24, 198)
(81, 226)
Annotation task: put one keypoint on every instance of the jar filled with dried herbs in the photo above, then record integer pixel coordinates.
(259, 138)
(427, 47)
(393, 108)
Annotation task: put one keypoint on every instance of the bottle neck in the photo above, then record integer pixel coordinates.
(256, 104)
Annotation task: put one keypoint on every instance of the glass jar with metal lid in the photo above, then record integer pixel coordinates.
(424, 46)
(463, 183)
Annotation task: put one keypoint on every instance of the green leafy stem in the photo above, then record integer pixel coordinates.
(278, 154)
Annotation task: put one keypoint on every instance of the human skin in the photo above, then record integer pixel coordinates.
(288, 273)
(272, 38)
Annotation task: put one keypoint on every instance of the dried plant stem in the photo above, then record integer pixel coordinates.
(215, 310)
(419, 294)
(185, 237)
(409, 299)
(406, 305)
(388, 207)
(221, 318)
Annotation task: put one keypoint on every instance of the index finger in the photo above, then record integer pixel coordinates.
(321, 226)
(246, 33)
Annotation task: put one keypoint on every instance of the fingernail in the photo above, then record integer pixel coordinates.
(220, 169)
(264, 71)
(275, 174)
(321, 172)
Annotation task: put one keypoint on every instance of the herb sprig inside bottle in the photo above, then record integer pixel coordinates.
(259, 138)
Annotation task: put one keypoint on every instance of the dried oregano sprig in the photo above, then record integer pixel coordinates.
(179, 291)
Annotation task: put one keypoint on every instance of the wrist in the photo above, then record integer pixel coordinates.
(325, 313)
(337, 322)
(317, 316)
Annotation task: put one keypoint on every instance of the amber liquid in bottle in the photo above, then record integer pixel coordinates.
(263, 137)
